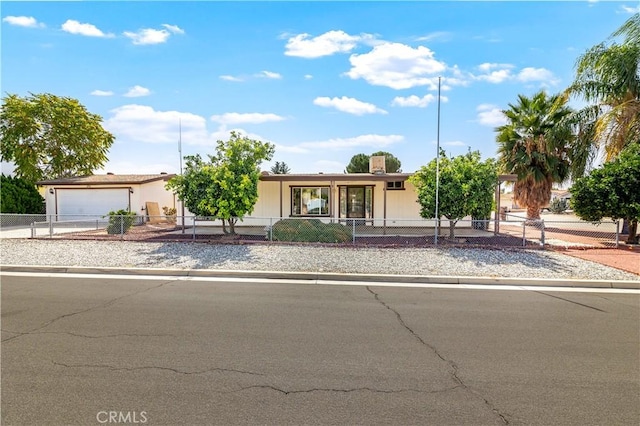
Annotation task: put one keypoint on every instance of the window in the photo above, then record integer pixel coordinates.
(397, 184)
(310, 201)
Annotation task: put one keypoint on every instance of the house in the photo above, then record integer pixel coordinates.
(370, 197)
(97, 195)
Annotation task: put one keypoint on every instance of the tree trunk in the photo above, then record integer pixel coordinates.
(224, 226)
(533, 212)
(633, 229)
(452, 226)
(232, 226)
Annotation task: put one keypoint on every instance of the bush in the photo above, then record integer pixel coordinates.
(120, 221)
(310, 230)
(170, 214)
(558, 205)
(19, 196)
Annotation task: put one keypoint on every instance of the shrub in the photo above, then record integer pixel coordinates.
(558, 205)
(170, 214)
(120, 221)
(310, 230)
(19, 196)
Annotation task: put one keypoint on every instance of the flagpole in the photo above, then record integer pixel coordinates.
(180, 154)
(437, 165)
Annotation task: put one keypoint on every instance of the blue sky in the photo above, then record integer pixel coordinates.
(323, 81)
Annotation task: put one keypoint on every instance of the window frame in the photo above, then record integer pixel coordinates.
(292, 190)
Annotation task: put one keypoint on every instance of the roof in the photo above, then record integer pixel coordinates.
(334, 177)
(108, 179)
(352, 177)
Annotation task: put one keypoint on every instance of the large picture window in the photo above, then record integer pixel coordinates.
(310, 201)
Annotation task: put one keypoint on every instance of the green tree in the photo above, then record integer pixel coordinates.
(280, 168)
(535, 145)
(611, 191)
(466, 187)
(227, 185)
(48, 137)
(19, 196)
(608, 79)
(360, 163)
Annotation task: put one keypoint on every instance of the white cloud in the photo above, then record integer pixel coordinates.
(348, 105)
(248, 118)
(530, 74)
(269, 74)
(137, 91)
(368, 141)
(153, 36)
(231, 78)
(74, 27)
(438, 35)
(308, 76)
(397, 66)
(125, 167)
(174, 28)
(631, 10)
(326, 166)
(22, 21)
(490, 115)
(102, 93)
(302, 45)
(291, 149)
(142, 123)
(488, 66)
(454, 143)
(414, 101)
(497, 76)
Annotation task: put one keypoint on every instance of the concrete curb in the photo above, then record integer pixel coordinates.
(328, 276)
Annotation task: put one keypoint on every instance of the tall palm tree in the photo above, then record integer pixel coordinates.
(608, 79)
(534, 145)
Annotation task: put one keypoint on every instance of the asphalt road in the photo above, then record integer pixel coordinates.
(166, 351)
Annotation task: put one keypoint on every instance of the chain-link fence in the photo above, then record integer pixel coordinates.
(509, 231)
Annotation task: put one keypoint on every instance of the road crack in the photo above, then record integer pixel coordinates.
(82, 311)
(153, 367)
(453, 367)
(363, 389)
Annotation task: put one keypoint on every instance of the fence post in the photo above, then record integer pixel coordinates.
(121, 227)
(617, 233)
(524, 236)
(270, 229)
(50, 226)
(353, 232)
(194, 229)
(542, 232)
(97, 227)
(33, 229)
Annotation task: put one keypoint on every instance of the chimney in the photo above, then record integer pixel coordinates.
(377, 165)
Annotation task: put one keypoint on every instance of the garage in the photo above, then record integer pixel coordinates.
(94, 202)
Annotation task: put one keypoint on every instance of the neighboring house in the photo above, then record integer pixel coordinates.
(97, 195)
(562, 194)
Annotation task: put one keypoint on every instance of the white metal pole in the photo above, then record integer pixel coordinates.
(438, 165)
(180, 153)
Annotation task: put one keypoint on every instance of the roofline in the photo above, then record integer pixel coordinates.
(358, 177)
(122, 182)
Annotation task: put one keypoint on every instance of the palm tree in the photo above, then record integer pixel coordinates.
(534, 145)
(608, 79)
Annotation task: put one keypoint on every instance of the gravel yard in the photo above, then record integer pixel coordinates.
(258, 257)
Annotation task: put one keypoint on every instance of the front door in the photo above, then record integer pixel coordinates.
(355, 202)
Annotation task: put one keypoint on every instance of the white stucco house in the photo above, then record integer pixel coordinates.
(97, 195)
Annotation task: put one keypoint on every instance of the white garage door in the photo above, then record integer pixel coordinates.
(95, 202)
